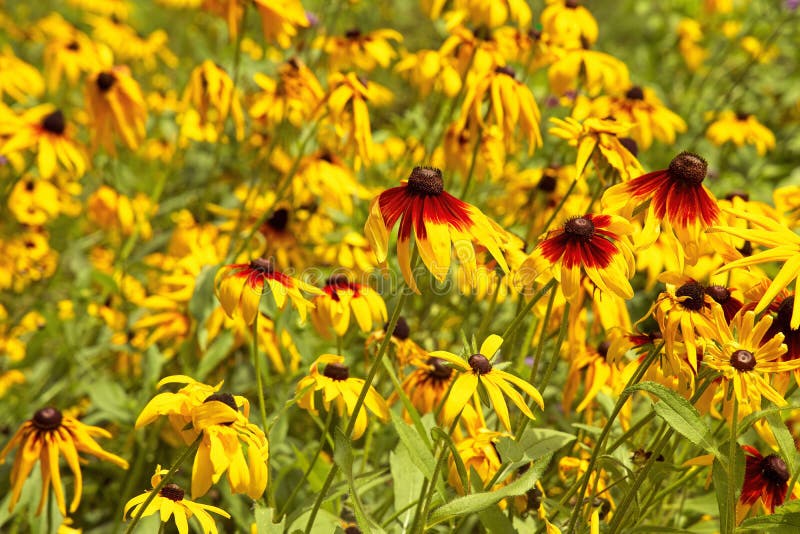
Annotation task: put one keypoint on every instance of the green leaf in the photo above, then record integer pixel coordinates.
(203, 300)
(407, 483)
(264, 520)
(480, 501)
(784, 439)
(343, 456)
(680, 415)
(111, 400)
(495, 521)
(774, 524)
(216, 353)
(421, 455)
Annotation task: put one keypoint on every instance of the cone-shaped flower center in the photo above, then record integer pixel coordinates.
(47, 419)
(742, 116)
(172, 492)
(480, 364)
(263, 265)
(440, 371)
(634, 93)
(774, 469)
(54, 122)
(571, 4)
(279, 219)
(743, 360)
(720, 294)
(224, 398)
(401, 329)
(630, 144)
(105, 81)
(534, 498)
(337, 371)
(695, 292)
(688, 168)
(353, 33)
(581, 228)
(426, 181)
(74, 46)
(547, 184)
(508, 71)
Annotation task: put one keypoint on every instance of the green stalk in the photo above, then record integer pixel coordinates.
(732, 482)
(262, 406)
(164, 481)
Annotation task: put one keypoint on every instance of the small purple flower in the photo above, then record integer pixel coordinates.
(313, 20)
(791, 5)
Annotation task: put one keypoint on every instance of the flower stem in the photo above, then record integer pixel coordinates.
(732, 482)
(524, 312)
(373, 370)
(164, 481)
(262, 407)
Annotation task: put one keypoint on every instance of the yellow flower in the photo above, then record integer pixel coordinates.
(429, 70)
(405, 349)
(478, 454)
(41, 439)
(240, 286)
(569, 24)
(116, 107)
(280, 20)
(594, 71)
(72, 55)
(427, 385)
(741, 129)
(358, 50)
(45, 130)
(339, 389)
(339, 299)
(18, 80)
(170, 502)
(129, 45)
(34, 202)
(209, 98)
(478, 370)
(113, 211)
(295, 95)
(690, 33)
(494, 13)
(742, 355)
(198, 408)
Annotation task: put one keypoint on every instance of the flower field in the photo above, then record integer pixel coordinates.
(296, 266)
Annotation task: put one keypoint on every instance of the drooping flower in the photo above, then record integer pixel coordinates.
(170, 502)
(340, 390)
(41, 440)
(478, 371)
(116, 107)
(568, 23)
(438, 220)
(18, 79)
(360, 50)
(209, 99)
(765, 478)
(428, 384)
(294, 95)
(741, 129)
(342, 298)
(405, 349)
(240, 286)
(594, 245)
(479, 455)
(280, 20)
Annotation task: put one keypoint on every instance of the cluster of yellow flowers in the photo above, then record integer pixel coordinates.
(182, 176)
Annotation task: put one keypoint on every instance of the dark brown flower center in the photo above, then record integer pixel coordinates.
(47, 419)
(74, 46)
(630, 145)
(508, 71)
(172, 492)
(720, 294)
(746, 249)
(738, 194)
(353, 33)
(105, 81)
(571, 4)
(439, 371)
(54, 122)
(352, 529)
(263, 265)
(695, 292)
(30, 186)
(547, 184)
(688, 168)
(634, 93)
(480, 364)
(602, 348)
(337, 371)
(401, 329)
(279, 219)
(225, 398)
(774, 469)
(534, 498)
(743, 360)
(784, 318)
(742, 116)
(580, 227)
(426, 181)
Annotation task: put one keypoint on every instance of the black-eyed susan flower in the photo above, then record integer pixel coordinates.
(294, 94)
(677, 196)
(478, 370)
(45, 130)
(239, 286)
(479, 455)
(511, 105)
(41, 440)
(606, 136)
(209, 99)
(170, 502)
(130, 45)
(494, 13)
(116, 107)
(71, 55)
(429, 70)
(745, 359)
(115, 212)
(34, 202)
(428, 384)
(438, 220)
(766, 478)
(361, 50)
(690, 36)
(783, 246)
(741, 129)
(230, 443)
(568, 23)
(341, 299)
(339, 389)
(593, 70)
(18, 79)
(280, 20)
(594, 245)
(406, 349)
